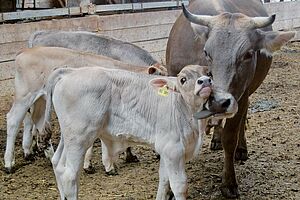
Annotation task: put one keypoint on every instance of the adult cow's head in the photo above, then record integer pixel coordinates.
(232, 44)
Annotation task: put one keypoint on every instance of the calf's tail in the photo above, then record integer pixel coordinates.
(46, 92)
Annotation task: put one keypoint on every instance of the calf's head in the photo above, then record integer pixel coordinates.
(232, 43)
(157, 69)
(196, 88)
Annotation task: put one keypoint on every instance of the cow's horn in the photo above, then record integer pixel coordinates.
(204, 20)
(261, 22)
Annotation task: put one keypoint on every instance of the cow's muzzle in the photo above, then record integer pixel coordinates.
(219, 105)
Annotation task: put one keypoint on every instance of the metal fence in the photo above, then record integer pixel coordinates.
(89, 9)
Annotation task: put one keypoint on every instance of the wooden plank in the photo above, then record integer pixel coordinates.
(121, 21)
(9, 50)
(113, 7)
(139, 6)
(140, 33)
(7, 70)
(153, 45)
(28, 14)
(21, 32)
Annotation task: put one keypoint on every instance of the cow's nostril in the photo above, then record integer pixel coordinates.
(226, 103)
(209, 80)
(199, 82)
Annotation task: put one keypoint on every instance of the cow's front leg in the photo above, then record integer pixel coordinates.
(230, 135)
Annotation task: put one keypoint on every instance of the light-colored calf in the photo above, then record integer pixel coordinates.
(33, 67)
(93, 43)
(123, 109)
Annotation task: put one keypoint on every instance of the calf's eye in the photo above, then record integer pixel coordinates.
(182, 80)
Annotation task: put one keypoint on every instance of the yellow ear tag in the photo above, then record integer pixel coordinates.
(163, 91)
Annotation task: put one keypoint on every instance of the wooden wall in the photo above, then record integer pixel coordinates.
(148, 30)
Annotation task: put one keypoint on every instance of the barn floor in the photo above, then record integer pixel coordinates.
(272, 172)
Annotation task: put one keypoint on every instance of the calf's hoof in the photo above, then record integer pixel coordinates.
(9, 170)
(241, 154)
(29, 157)
(215, 145)
(112, 172)
(131, 159)
(230, 192)
(171, 195)
(90, 170)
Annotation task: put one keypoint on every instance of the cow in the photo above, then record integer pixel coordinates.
(235, 39)
(93, 43)
(32, 69)
(123, 109)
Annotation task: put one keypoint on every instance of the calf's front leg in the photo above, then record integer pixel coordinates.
(174, 162)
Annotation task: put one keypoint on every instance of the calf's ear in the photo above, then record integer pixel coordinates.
(273, 40)
(157, 69)
(169, 82)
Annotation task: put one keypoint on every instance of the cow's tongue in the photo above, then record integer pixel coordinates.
(203, 114)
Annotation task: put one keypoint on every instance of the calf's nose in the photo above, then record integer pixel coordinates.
(204, 80)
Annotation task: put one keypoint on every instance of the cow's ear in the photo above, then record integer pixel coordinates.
(273, 40)
(169, 83)
(200, 31)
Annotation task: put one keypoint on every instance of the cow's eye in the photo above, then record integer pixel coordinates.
(248, 56)
(182, 80)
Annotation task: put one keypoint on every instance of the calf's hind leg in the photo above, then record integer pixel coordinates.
(87, 166)
(58, 162)
(14, 119)
(74, 151)
(27, 137)
(110, 152)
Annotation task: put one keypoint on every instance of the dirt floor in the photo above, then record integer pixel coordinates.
(272, 171)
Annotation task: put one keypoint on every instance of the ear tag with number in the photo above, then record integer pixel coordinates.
(163, 91)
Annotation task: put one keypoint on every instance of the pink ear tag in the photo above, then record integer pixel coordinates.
(163, 91)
